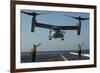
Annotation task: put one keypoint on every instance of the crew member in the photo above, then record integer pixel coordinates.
(33, 51)
(79, 50)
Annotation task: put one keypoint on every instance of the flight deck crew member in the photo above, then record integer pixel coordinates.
(79, 50)
(33, 51)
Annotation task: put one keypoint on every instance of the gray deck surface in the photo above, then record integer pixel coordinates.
(52, 57)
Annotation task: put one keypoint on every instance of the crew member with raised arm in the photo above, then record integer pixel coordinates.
(33, 51)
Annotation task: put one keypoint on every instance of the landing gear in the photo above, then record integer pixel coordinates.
(50, 38)
(50, 32)
(62, 39)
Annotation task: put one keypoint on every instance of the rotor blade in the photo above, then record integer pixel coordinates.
(26, 13)
(78, 18)
(33, 13)
(42, 13)
(72, 17)
(38, 13)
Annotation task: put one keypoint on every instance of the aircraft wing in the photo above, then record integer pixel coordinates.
(48, 26)
(84, 18)
(68, 27)
(41, 25)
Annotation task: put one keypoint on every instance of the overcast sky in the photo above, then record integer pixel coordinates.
(71, 39)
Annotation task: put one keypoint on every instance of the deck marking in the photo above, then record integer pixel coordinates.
(63, 57)
(87, 55)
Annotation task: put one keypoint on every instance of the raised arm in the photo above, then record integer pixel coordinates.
(38, 44)
(82, 44)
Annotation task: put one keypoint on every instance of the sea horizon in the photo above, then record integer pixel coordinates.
(83, 51)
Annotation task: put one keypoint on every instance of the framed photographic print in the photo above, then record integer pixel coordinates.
(52, 36)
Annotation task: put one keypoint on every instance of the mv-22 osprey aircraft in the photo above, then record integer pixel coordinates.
(58, 30)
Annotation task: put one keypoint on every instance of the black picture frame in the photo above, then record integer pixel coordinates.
(13, 35)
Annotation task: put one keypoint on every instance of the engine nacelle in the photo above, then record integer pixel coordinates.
(32, 27)
(78, 29)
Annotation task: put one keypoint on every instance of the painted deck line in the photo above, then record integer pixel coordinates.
(87, 55)
(63, 57)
